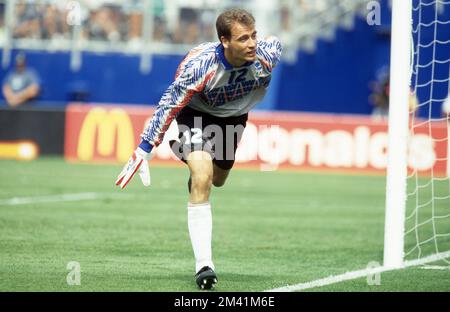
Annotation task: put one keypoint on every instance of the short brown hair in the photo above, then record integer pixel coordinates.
(228, 17)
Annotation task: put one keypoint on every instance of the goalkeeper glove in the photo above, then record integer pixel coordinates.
(136, 163)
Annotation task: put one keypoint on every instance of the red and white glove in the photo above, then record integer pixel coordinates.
(138, 162)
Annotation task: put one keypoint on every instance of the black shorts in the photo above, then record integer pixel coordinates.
(218, 136)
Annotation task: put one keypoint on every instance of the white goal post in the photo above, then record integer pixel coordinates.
(417, 219)
(400, 76)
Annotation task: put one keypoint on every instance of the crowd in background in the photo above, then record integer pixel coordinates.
(174, 21)
(109, 20)
(99, 20)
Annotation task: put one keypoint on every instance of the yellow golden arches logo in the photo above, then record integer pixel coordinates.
(109, 125)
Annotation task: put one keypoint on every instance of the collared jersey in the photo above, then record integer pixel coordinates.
(206, 82)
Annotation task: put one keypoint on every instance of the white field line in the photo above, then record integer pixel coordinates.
(358, 274)
(435, 267)
(54, 198)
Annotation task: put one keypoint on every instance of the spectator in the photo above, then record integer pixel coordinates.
(380, 96)
(134, 15)
(103, 24)
(21, 85)
(52, 23)
(27, 24)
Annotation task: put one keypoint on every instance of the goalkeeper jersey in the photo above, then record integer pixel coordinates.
(206, 82)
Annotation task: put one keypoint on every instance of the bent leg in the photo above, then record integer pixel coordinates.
(219, 176)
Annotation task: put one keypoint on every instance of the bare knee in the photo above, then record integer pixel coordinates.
(201, 180)
(201, 187)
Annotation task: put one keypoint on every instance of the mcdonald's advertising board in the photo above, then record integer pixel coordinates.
(271, 141)
(103, 133)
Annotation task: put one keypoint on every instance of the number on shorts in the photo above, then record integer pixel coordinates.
(196, 136)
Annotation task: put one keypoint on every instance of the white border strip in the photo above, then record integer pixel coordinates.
(435, 267)
(50, 199)
(357, 274)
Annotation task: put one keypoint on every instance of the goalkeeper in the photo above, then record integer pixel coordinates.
(215, 87)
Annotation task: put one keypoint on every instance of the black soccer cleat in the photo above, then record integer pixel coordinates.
(206, 278)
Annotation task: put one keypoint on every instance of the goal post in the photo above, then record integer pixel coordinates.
(396, 187)
(417, 212)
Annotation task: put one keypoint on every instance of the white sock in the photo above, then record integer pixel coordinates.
(200, 231)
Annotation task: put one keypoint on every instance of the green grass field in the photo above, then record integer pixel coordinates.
(270, 229)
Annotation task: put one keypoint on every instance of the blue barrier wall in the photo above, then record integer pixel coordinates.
(110, 78)
(336, 77)
(438, 71)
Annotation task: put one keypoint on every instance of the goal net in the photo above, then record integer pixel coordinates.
(427, 211)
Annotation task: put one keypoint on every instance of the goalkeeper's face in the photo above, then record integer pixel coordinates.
(241, 47)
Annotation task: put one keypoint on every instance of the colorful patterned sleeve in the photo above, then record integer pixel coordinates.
(192, 75)
(270, 50)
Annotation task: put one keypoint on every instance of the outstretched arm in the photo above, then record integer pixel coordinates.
(177, 96)
(28, 93)
(188, 82)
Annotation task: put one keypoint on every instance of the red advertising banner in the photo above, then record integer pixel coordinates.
(97, 133)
